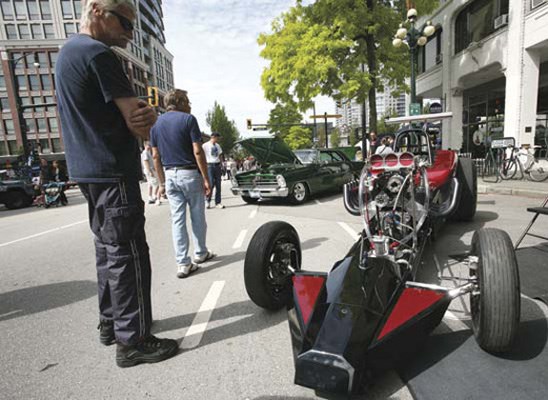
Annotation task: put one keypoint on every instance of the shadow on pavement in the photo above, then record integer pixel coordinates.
(32, 300)
(533, 271)
(255, 319)
(447, 361)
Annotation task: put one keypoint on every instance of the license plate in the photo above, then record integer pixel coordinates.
(254, 194)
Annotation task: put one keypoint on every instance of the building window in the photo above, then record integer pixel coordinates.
(7, 10)
(9, 128)
(21, 82)
(2, 82)
(34, 82)
(477, 21)
(31, 126)
(24, 32)
(20, 9)
(46, 10)
(53, 125)
(53, 59)
(78, 8)
(11, 32)
(34, 13)
(56, 145)
(41, 122)
(49, 100)
(69, 29)
(43, 59)
(66, 8)
(46, 82)
(36, 31)
(4, 104)
(48, 31)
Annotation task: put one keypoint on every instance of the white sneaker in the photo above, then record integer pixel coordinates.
(158, 202)
(206, 257)
(219, 206)
(184, 271)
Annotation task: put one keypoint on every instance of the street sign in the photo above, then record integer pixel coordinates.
(414, 109)
(326, 116)
(435, 108)
(260, 128)
(502, 143)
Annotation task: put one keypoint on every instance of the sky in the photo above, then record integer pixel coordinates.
(216, 56)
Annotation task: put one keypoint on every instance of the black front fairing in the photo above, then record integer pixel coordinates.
(339, 341)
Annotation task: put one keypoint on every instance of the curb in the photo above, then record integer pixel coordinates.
(537, 194)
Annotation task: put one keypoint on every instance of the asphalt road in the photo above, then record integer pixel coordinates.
(231, 348)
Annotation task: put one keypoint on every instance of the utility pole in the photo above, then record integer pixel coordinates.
(364, 125)
(325, 116)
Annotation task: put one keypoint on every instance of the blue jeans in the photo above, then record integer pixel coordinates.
(214, 172)
(186, 187)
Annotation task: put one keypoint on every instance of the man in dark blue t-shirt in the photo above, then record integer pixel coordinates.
(101, 118)
(176, 143)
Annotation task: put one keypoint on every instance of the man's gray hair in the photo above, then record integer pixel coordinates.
(175, 99)
(107, 5)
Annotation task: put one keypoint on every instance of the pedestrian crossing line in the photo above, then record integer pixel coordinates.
(253, 214)
(43, 233)
(240, 239)
(348, 230)
(195, 332)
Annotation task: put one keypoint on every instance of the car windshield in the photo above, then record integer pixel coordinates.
(307, 156)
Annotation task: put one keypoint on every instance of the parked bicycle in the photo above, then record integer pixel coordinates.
(525, 161)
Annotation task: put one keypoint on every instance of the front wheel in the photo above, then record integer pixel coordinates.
(495, 304)
(538, 172)
(299, 193)
(273, 255)
(508, 169)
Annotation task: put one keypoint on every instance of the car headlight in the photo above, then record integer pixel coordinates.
(281, 181)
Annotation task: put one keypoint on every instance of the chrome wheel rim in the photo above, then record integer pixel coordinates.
(299, 191)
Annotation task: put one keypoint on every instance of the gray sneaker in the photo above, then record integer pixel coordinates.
(184, 271)
(206, 257)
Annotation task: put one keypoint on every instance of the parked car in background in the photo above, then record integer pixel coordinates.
(16, 193)
(282, 173)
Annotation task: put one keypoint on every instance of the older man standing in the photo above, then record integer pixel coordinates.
(177, 147)
(101, 118)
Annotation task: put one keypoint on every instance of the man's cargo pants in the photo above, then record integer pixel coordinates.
(117, 219)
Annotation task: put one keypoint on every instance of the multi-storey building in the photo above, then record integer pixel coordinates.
(31, 34)
(488, 63)
(351, 111)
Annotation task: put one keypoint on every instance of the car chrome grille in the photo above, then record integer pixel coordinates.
(257, 181)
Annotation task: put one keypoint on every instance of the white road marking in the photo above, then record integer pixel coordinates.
(195, 332)
(348, 230)
(253, 214)
(43, 233)
(240, 239)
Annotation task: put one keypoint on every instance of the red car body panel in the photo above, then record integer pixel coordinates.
(442, 169)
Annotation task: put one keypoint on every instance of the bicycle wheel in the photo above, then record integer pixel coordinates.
(508, 169)
(538, 172)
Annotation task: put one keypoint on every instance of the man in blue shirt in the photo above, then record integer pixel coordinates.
(176, 143)
(101, 118)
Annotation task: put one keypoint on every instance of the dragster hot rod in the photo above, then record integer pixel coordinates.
(369, 310)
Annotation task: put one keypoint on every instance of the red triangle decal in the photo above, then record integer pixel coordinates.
(307, 289)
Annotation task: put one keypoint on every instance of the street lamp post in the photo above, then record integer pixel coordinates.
(413, 38)
(12, 63)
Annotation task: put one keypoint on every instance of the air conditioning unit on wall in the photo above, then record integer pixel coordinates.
(501, 21)
(536, 3)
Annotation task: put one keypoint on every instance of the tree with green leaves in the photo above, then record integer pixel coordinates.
(299, 137)
(218, 121)
(335, 138)
(337, 48)
(282, 116)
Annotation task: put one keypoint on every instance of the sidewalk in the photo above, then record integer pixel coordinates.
(523, 188)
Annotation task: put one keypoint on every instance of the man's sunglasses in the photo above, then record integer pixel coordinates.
(124, 22)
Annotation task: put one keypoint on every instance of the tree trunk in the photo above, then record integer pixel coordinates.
(372, 69)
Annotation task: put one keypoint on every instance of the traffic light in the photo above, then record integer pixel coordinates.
(153, 96)
(249, 124)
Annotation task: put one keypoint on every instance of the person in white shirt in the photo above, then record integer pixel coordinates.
(214, 157)
(150, 173)
(384, 148)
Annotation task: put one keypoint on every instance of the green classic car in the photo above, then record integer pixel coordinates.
(292, 175)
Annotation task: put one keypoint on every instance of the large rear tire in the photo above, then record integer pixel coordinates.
(468, 187)
(496, 305)
(17, 199)
(272, 256)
